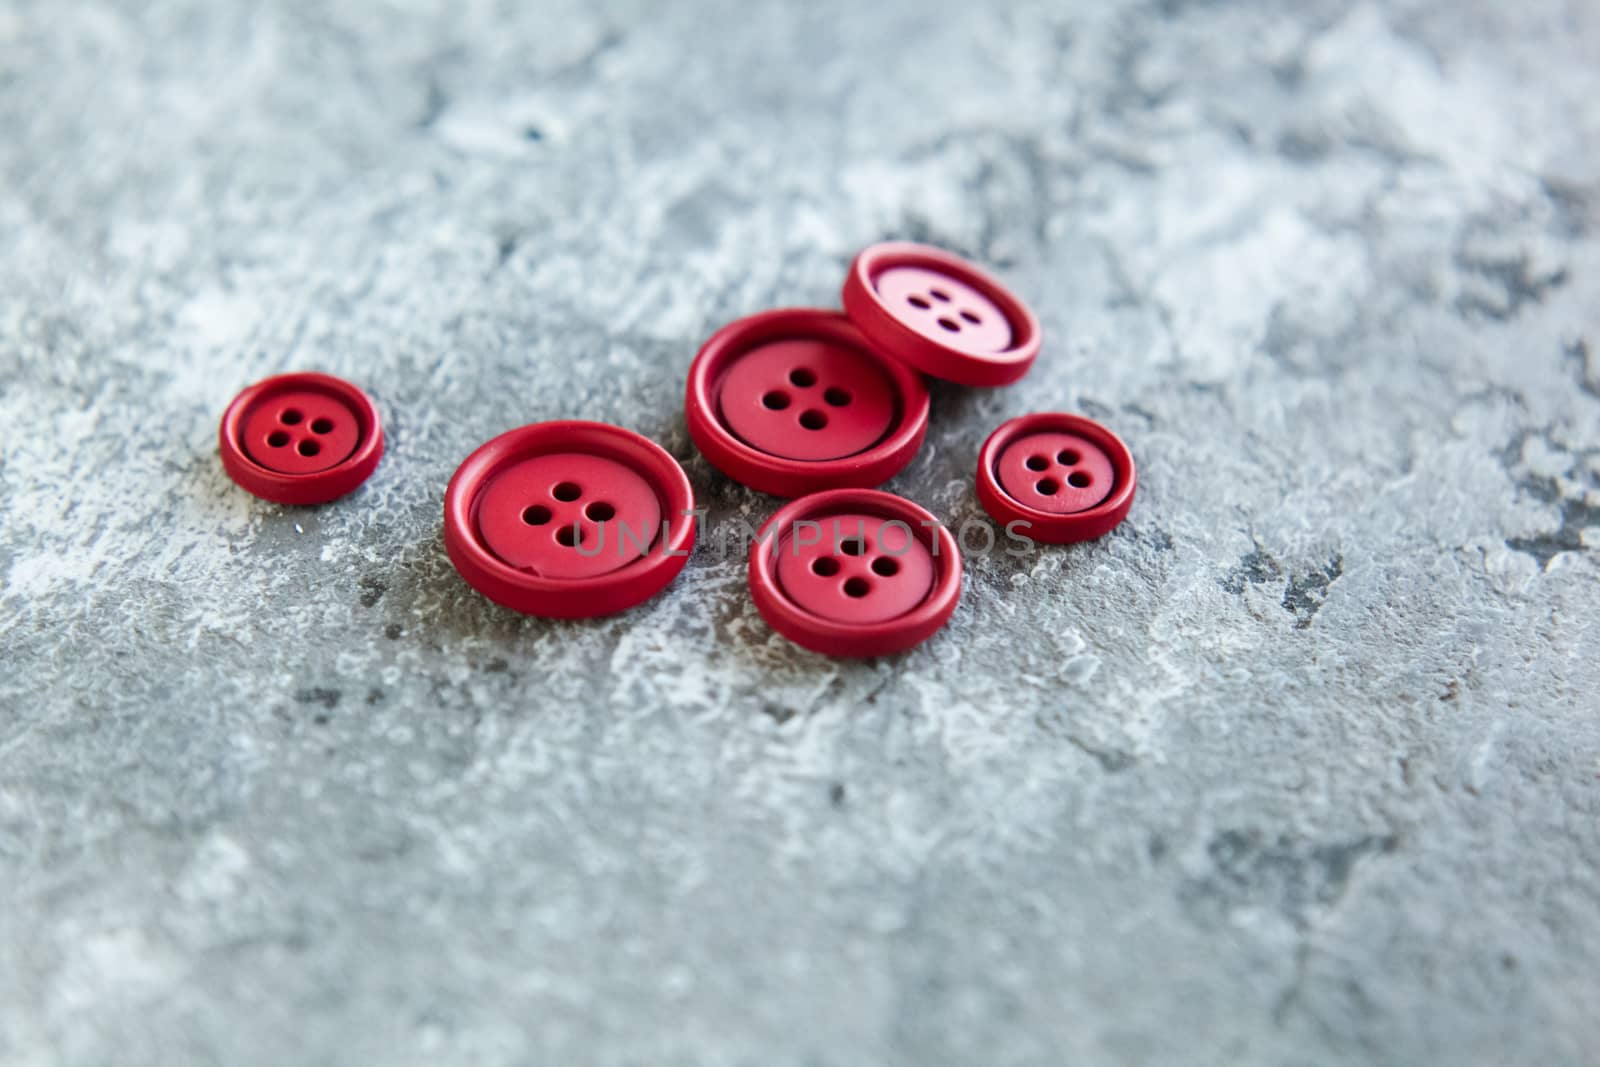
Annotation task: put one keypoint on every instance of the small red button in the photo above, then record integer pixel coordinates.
(1061, 473)
(1067, 478)
(793, 401)
(301, 438)
(942, 315)
(569, 519)
(855, 572)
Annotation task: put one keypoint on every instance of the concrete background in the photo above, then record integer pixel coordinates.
(1300, 766)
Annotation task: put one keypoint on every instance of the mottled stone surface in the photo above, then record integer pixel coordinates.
(1300, 765)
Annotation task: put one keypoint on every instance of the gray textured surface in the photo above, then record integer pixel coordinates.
(1302, 765)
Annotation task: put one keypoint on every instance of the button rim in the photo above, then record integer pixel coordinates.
(778, 475)
(1050, 527)
(318, 487)
(568, 598)
(856, 640)
(880, 326)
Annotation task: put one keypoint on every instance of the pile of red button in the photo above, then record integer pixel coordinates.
(572, 519)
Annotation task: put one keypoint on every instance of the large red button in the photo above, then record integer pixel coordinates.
(552, 515)
(1058, 477)
(300, 438)
(855, 572)
(942, 315)
(793, 401)
(569, 519)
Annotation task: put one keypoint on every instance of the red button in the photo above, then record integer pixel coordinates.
(941, 314)
(1066, 477)
(569, 519)
(793, 401)
(300, 438)
(855, 572)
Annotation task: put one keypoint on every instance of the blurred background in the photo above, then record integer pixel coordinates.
(1300, 765)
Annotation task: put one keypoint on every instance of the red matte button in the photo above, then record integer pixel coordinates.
(793, 401)
(569, 519)
(551, 515)
(1061, 478)
(945, 310)
(855, 572)
(807, 400)
(942, 315)
(301, 438)
(1061, 473)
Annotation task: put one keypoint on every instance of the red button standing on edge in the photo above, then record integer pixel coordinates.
(855, 572)
(1067, 478)
(569, 519)
(300, 438)
(793, 401)
(940, 314)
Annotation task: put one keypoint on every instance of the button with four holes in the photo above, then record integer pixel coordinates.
(1058, 477)
(569, 519)
(795, 400)
(302, 438)
(940, 314)
(855, 572)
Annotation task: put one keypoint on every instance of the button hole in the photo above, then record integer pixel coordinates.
(290, 416)
(918, 302)
(308, 448)
(776, 400)
(837, 397)
(1038, 463)
(802, 377)
(1079, 479)
(321, 425)
(857, 587)
(885, 566)
(971, 317)
(569, 536)
(277, 438)
(536, 515)
(813, 419)
(853, 547)
(566, 491)
(600, 511)
(1048, 487)
(1067, 457)
(940, 295)
(826, 566)
(950, 324)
